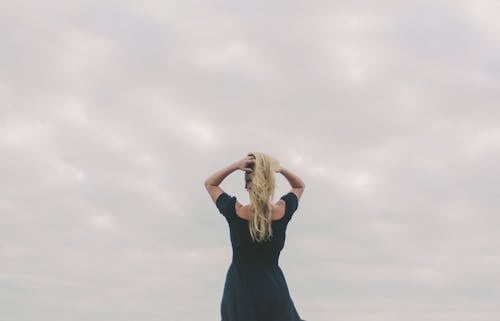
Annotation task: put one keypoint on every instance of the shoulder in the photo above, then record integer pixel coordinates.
(290, 196)
(289, 202)
(224, 200)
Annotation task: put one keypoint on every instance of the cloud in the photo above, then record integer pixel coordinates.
(111, 117)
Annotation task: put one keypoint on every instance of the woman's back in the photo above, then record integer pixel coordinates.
(255, 287)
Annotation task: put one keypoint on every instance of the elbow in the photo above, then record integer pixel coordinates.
(207, 183)
(301, 185)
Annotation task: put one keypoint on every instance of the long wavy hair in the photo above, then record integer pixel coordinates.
(261, 185)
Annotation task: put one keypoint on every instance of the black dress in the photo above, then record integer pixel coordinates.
(255, 288)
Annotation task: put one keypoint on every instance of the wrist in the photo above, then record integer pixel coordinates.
(234, 166)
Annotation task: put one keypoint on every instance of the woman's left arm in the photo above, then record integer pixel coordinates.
(213, 181)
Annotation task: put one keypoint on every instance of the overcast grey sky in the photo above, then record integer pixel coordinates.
(112, 114)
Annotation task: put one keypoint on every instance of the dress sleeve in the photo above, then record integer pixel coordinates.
(225, 205)
(292, 202)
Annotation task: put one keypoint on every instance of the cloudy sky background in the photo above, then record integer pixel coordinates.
(112, 114)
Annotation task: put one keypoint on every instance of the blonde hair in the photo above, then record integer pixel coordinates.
(262, 185)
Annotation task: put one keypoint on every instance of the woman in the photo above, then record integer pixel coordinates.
(255, 287)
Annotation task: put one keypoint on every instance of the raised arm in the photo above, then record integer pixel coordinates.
(213, 181)
(295, 181)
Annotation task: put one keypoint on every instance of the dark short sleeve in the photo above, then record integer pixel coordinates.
(225, 205)
(292, 202)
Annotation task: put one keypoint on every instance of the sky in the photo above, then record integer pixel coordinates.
(112, 115)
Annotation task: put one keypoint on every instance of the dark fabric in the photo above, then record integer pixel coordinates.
(255, 288)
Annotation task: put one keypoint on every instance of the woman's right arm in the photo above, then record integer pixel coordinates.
(213, 181)
(295, 181)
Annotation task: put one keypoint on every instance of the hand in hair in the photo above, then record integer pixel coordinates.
(246, 164)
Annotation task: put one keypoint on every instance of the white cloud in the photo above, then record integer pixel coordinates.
(200, 134)
(112, 116)
(103, 221)
(483, 141)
